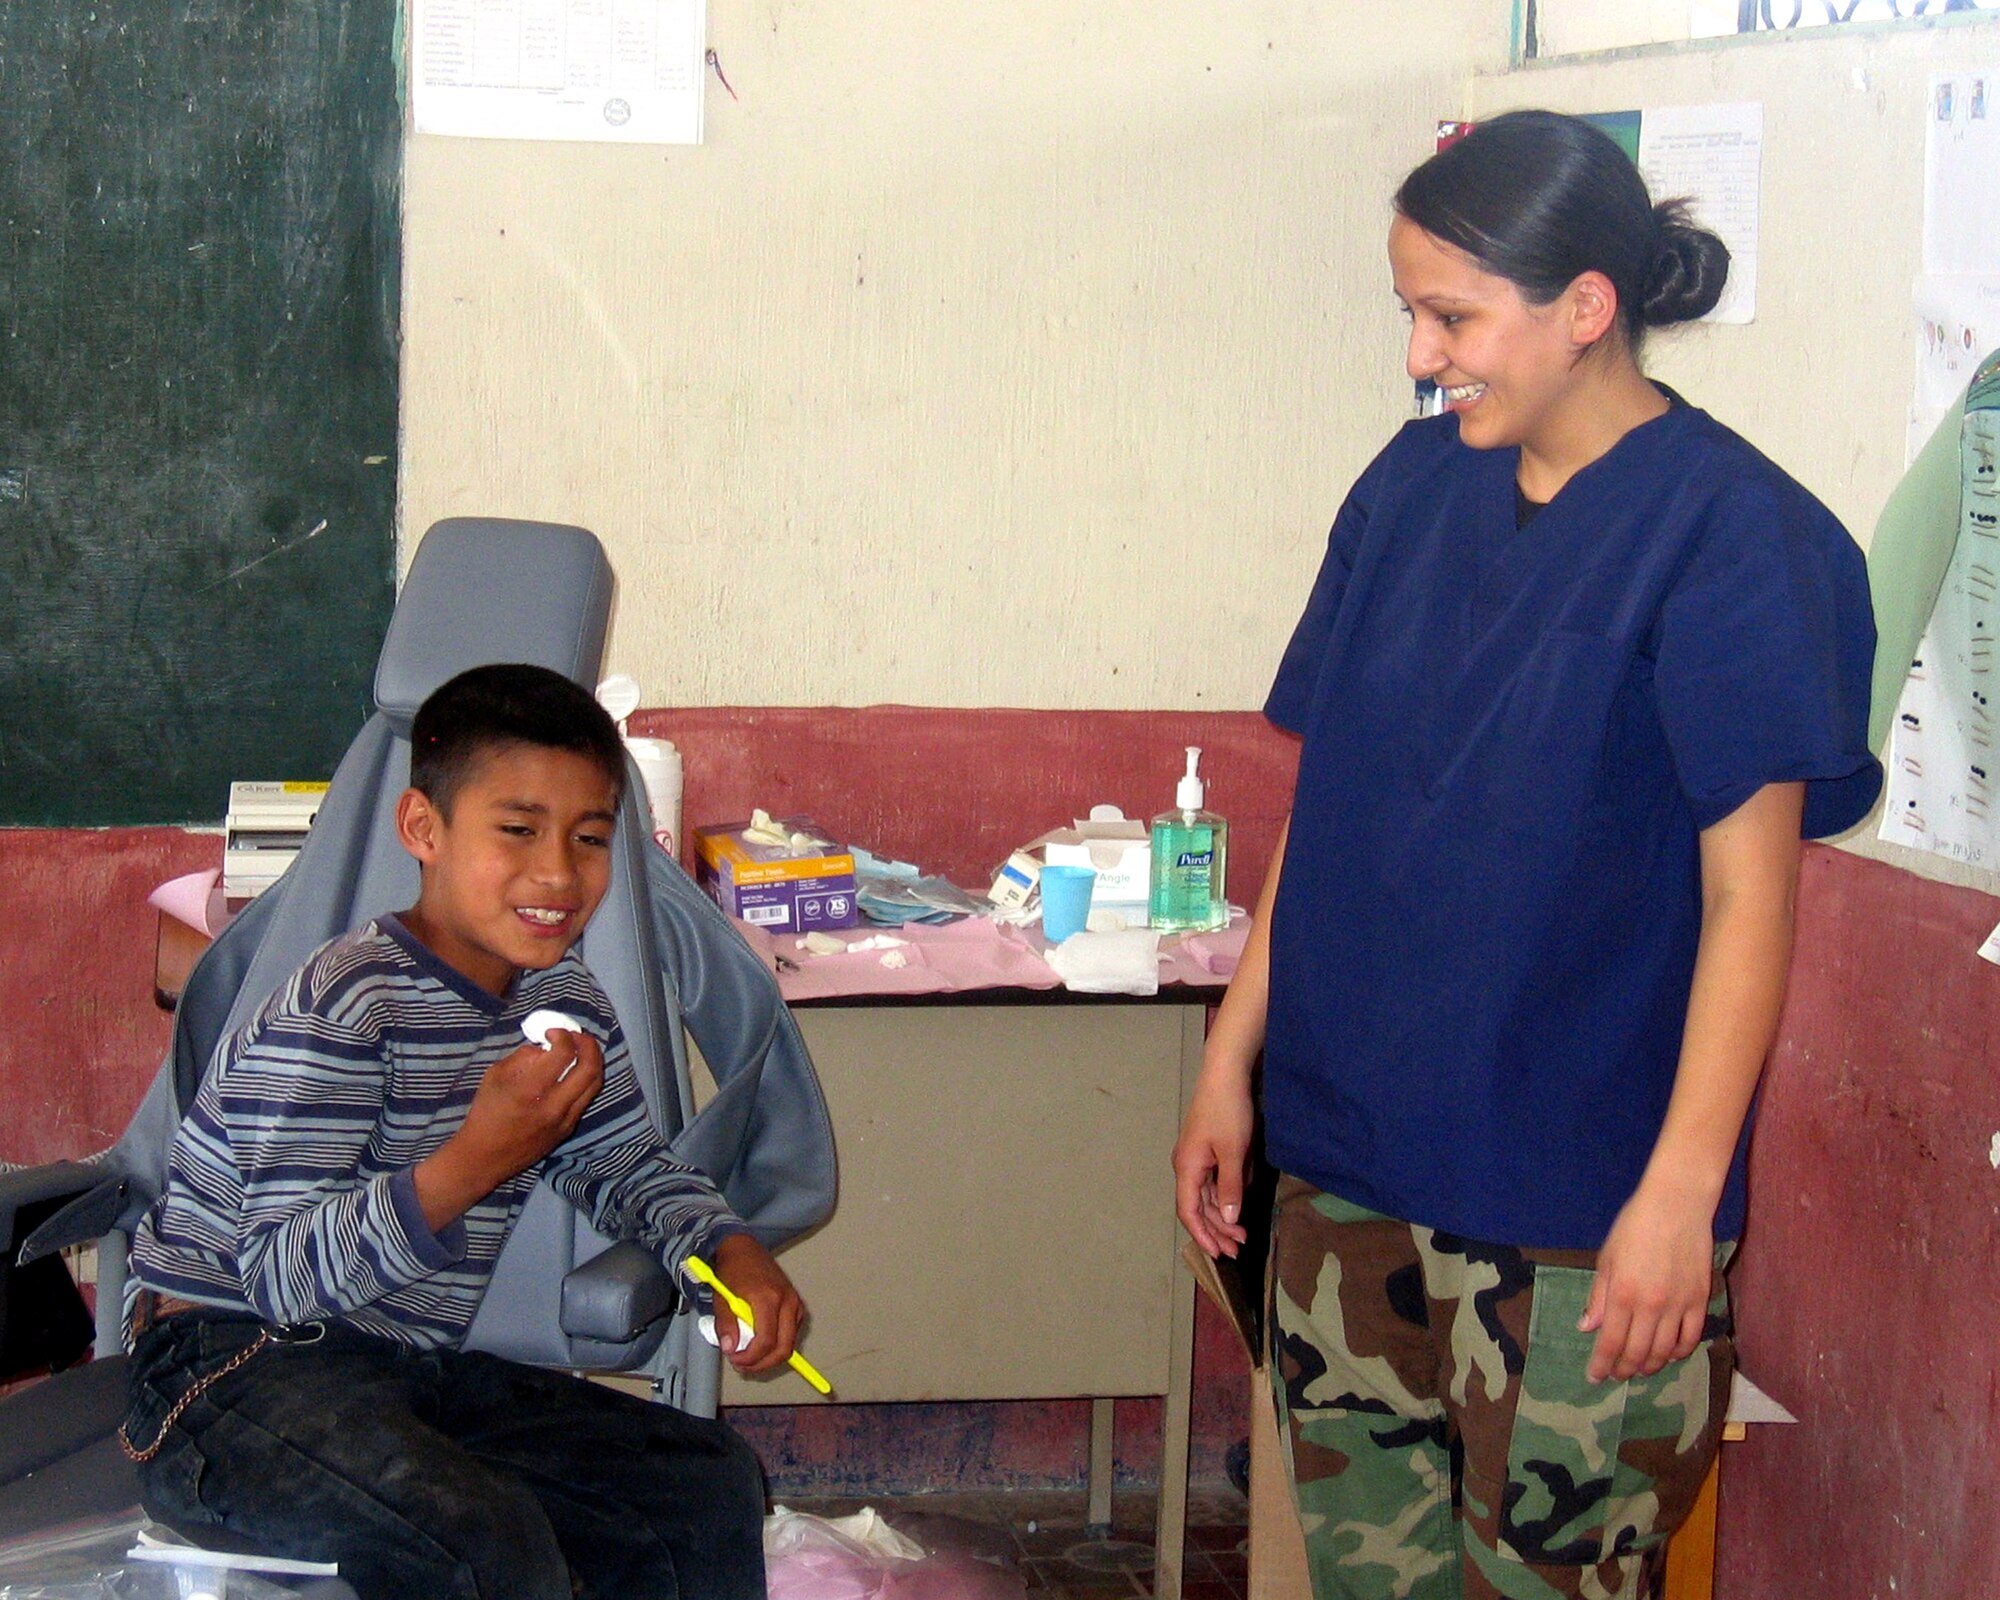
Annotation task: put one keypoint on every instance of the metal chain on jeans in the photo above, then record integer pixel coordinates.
(132, 1453)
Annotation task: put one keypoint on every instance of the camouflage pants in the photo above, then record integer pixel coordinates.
(1444, 1441)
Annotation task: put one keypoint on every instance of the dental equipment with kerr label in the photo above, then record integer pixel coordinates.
(263, 832)
(702, 1272)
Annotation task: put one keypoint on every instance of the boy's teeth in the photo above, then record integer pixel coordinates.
(542, 914)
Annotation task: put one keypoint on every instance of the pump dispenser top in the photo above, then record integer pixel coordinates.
(1188, 794)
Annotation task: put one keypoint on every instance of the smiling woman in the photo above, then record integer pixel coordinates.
(1531, 269)
(1578, 670)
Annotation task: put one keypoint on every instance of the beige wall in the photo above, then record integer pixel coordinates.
(1017, 354)
(1011, 353)
(1821, 381)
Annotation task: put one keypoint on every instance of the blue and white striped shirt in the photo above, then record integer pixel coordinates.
(290, 1189)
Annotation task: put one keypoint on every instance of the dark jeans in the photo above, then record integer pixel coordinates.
(442, 1472)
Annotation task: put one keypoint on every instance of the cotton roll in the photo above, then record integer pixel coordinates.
(659, 766)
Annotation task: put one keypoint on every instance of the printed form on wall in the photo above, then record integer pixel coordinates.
(1711, 156)
(1956, 300)
(628, 71)
(1714, 156)
(1946, 734)
(1944, 739)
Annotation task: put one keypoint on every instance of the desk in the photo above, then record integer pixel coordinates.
(1005, 1228)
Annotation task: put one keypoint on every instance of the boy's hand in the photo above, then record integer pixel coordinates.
(526, 1105)
(775, 1307)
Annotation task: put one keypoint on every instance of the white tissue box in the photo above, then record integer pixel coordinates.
(1118, 848)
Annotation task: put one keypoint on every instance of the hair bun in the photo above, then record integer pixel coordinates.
(1688, 272)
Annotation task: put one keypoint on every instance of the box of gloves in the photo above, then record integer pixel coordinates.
(779, 873)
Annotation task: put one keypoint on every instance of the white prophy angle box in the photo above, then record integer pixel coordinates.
(1118, 848)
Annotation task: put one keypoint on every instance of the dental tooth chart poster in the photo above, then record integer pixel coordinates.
(1942, 745)
(1943, 742)
(1713, 157)
(623, 71)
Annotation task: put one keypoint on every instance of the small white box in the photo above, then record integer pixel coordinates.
(263, 833)
(1118, 848)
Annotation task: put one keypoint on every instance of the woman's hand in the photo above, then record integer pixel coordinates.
(1654, 1278)
(1214, 1147)
(1651, 1295)
(1209, 1160)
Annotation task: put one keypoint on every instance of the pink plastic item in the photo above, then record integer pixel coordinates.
(863, 1558)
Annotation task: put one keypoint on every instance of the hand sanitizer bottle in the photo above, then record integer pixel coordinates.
(1190, 858)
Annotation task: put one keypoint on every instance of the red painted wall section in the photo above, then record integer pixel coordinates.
(955, 791)
(83, 1037)
(1868, 1292)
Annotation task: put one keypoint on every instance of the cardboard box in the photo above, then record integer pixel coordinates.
(1278, 1566)
(1118, 848)
(769, 886)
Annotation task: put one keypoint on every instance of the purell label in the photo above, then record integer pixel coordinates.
(1194, 858)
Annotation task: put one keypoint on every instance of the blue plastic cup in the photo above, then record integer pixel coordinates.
(1065, 901)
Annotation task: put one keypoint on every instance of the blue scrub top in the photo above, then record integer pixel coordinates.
(1485, 931)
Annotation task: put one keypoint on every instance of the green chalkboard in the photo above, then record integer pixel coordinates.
(198, 338)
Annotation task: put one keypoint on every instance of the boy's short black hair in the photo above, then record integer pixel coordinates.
(509, 703)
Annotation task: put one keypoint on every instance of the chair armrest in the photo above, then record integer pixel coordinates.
(615, 1295)
(95, 1194)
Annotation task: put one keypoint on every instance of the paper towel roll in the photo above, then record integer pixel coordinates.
(660, 766)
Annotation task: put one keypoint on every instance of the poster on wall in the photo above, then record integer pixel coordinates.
(1712, 156)
(625, 71)
(1955, 302)
(1943, 758)
(1962, 174)
(1955, 324)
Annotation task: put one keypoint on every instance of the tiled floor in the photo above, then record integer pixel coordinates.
(1041, 1534)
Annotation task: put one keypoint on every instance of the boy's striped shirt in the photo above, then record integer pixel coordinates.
(289, 1186)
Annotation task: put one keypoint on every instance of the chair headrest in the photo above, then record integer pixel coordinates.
(486, 589)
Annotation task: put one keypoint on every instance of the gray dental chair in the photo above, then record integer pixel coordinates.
(479, 590)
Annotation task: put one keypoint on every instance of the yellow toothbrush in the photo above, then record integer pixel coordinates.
(702, 1272)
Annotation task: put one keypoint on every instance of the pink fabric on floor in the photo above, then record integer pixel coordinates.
(831, 1573)
(953, 1575)
(861, 1557)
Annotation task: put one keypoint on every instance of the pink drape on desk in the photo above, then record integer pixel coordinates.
(971, 954)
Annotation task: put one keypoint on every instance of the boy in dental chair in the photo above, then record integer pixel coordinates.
(354, 1160)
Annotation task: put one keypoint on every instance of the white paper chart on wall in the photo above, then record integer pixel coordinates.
(1713, 154)
(1956, 298)
(626, 71)
(1944, 746)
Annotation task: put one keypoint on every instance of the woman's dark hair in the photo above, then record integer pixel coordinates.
(495, 707)
(1538, 198)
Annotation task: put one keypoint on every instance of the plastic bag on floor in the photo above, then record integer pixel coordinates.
(862, 1558)
(89, 1560)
